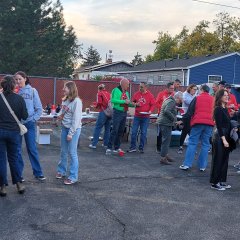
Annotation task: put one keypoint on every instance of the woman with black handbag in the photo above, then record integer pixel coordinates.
(10, 134)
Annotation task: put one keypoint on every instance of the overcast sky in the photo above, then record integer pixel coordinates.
(129, 26)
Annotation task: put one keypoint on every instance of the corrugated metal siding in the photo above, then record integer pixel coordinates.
(224, 67)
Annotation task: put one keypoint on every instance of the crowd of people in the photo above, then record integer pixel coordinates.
(210, 120)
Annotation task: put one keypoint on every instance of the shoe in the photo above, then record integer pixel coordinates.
(118, 150)
(22, 179)
(141, 150)
(238, 172)
(92, 146)
(237, 166)
(108, 151)
(217, 187)
(202, 169)
(164, 161)
(20, 188)
(183, 167)
(40, 178)
(158, 151)
(131, 150)
(68, 182)
(227, 186)
(3, 191)
(180, 150)
(169, 159)
(210, 150)
(59, 176)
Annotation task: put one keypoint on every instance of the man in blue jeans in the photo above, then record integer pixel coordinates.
(120, 100)
(201, 111)
(103, 97)
(145, 104)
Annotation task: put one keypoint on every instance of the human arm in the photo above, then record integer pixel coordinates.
(76, 117)
(37, 105)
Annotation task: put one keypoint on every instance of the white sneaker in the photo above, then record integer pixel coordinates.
(224, 185)
(202, 169)
(183, 167)
(218, 187)
(118, 150)
(108, 151)
(92, 146)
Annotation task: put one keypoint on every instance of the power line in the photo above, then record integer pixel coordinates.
(216, 4)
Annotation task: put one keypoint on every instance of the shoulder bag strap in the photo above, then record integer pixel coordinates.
(10, 109)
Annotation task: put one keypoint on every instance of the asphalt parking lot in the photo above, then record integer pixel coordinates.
(131, 197)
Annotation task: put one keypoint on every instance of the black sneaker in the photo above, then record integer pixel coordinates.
(40, 178)
(218, 187)
(180, 150)
(141, 150)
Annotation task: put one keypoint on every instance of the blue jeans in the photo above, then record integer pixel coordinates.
(203, 133)
(69, 147)
(105, 121)
(141, 123)
(30, 139)
(119, 122)
(9, 141)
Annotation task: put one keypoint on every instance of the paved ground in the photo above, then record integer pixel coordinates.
(131, 197)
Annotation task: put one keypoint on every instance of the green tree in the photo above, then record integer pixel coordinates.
(225, 30)
(165, 46)
(34, 38)
(92, 57)
(137, 60)
(200, 41)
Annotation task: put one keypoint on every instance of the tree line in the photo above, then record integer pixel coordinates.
(34, 38)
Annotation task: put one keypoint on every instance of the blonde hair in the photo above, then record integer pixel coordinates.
(73, 91)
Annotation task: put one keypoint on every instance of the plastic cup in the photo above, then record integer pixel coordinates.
(121, 153)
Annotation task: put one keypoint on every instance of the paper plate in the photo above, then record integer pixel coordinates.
(144, 113)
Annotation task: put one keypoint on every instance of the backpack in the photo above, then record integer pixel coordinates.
(109, 110)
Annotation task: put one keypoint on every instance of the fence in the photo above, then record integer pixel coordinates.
(50, 89)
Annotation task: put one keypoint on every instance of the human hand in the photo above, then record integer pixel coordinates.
(225, 143)
(179, 122)
(69, 137)
(127, 101)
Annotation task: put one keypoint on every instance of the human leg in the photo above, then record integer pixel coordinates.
(192, 145)
(62, 165)
(135, 126)
(98, 127)
(74, 163)
(143, 127)
(30, 139)
(205, 146)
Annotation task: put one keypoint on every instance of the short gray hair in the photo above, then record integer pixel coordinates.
(178, 95)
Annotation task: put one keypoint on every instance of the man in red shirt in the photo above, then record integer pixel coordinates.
(145, 104)
(103, 97)
(169, 91)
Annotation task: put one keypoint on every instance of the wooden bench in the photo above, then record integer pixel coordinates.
(43, 135)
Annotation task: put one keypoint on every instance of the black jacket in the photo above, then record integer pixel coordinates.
(18, 105)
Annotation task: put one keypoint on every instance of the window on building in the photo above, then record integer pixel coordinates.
(150, 79)
(160, 79)
(214, 78)
(174, 77)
